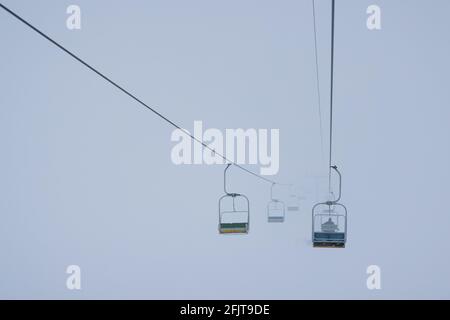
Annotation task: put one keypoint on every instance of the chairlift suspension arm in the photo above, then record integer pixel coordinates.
(225, 179)
(225, 183)
(271, 191)
(340, 185)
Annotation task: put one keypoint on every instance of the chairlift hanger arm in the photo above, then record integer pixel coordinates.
(225, 179)
(340, 185)
(225, 182)
(271, 191)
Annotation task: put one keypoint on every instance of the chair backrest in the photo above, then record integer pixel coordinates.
(338, 216)
(234, 208)
(276, 210)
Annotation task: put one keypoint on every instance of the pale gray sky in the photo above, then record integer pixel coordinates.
(86, 176)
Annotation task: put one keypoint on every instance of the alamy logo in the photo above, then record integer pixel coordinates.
(73, 282)
(374, 19)
(250, 146)
(374, 279)
(73, 22)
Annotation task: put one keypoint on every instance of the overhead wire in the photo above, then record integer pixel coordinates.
(129, 94)
(316, 53)
(331, 91)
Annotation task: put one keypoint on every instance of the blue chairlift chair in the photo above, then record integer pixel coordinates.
(329, 222)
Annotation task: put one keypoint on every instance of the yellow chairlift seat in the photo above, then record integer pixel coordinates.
(233, 227)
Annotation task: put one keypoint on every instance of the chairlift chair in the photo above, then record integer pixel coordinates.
(293, 202)
(234, 212)
(275, 208)
(329, 222)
